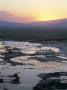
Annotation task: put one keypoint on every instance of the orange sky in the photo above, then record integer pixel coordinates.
(32, 10)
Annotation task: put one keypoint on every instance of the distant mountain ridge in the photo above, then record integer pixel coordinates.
(52, 23)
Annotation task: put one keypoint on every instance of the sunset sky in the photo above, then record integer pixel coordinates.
(32, 10)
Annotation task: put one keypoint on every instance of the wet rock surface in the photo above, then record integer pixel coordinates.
(31, 59)
(10, 53)
(39, 52)
(52, 81)
(13, 79)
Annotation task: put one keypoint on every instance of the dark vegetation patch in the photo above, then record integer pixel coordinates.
(35, 34)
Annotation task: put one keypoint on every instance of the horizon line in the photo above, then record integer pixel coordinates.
(33, 21)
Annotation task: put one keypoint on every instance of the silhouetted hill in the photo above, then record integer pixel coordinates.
(52, 23)
(10, 24)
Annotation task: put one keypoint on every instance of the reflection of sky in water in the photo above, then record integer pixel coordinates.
(32, 62)
(36, 51)
(31, 47)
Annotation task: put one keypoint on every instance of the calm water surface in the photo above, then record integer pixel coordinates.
(29, 60)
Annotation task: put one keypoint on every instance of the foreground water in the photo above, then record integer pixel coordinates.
(30, 60)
